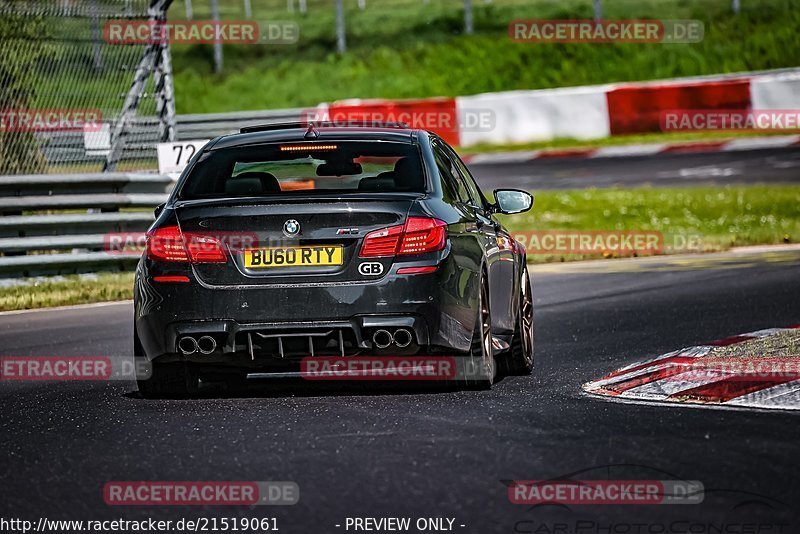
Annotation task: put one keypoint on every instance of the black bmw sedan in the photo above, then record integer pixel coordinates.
(288, 242)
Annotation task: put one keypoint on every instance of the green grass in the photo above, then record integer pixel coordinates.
(66, 290)
(400, 50)
(715, 218)
(708, 218)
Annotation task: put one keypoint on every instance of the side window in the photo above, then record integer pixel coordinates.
(450, 180)
(474, 191)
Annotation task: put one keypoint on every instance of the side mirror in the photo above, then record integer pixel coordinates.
(159, 209)
(509, 201)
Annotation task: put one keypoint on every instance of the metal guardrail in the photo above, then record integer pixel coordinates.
(60, 224)
(68, 146)
(208, 125)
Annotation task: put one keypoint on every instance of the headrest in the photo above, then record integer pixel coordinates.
(252, 183)
(408, 175)
(339, 168)
(382, 182)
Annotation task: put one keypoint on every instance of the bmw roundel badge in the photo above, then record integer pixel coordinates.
(291, 228)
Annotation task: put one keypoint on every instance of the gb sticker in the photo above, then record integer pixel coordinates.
(372, 268)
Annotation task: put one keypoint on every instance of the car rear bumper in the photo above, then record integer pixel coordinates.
(438, 309)
(292, 340)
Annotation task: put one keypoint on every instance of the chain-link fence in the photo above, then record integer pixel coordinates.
(68, 97)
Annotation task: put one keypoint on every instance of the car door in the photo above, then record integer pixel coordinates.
(500, 253)
(469, 242)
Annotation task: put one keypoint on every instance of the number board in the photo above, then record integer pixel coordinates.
(173, 157)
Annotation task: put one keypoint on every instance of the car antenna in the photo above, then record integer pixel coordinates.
(311, 133)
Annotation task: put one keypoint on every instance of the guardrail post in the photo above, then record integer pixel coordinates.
(469, 23)
(151, 57)
(217, 45)
(341, 39)
(165, 95)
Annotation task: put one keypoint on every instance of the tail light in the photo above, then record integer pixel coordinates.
(419, 235)
(205, 249)
(422, 235)
(381, 243)
(170, 244)
(166, 244)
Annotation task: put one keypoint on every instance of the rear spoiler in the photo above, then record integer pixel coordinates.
(310, 125)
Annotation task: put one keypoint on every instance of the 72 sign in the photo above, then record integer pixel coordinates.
(173, 157)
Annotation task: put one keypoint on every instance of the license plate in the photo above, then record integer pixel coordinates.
(308, 256)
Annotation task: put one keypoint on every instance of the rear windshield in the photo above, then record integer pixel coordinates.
(306, 168)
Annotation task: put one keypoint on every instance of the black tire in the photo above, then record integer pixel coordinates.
(519, 359)
(169, 381)
(482, 368)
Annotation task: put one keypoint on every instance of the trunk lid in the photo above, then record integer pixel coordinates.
(292, 240)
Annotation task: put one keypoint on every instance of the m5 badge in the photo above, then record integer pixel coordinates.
(372, 268)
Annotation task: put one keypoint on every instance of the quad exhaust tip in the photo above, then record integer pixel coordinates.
(402, 338)
(206, 345)
(189, 345)
(383, 338)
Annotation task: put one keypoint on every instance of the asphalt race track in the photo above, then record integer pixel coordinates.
(422, 452)
(770, 166)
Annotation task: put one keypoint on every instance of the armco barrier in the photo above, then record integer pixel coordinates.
(68, 147)
(57, 224)
(639, 108)
(435, 114)
(594, 112)
(210, 125)
(778, 91)
(525, 116)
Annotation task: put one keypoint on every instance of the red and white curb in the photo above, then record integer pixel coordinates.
(626, 151)
(656, 380)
